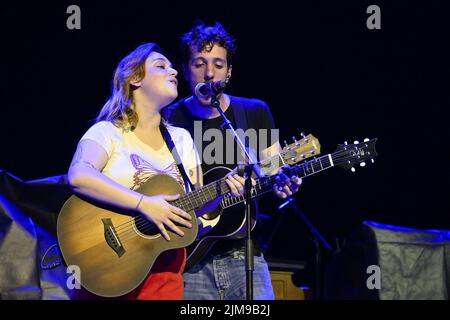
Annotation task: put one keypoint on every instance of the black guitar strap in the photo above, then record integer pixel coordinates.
(168, 139)
(240, 118)
(239, 115)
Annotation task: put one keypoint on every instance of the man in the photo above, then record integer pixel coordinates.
(207, 53)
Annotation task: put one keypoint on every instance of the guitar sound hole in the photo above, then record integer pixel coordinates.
(145, 227)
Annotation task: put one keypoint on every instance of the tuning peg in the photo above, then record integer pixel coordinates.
(285, 143)
(356, 142)
(366, 140)
(353, 169)
(362, 164)
(373, 161)
(302, 134)
(345, 142)
(293, 138)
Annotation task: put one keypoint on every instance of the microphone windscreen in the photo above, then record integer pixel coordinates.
(200, 90)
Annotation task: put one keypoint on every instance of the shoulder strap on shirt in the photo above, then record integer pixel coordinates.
(239, 113)
(168, 139)
(240, 117)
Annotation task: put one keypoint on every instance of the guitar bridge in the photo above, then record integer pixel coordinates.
(112, 238)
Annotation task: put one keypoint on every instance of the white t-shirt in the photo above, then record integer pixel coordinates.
(132, 162)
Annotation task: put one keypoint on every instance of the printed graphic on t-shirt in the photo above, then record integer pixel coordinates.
(145, 170)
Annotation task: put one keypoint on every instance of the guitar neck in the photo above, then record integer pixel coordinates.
(198, 198)
(264, 185)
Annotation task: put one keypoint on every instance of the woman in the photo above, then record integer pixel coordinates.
(125, 148)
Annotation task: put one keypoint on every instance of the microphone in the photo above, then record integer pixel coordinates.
(208, 89)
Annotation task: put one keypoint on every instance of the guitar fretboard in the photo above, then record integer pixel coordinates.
(197, 198)
(265, 184)
(209, 192)
(344, 157)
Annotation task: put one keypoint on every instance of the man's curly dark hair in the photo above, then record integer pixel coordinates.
(202, 37)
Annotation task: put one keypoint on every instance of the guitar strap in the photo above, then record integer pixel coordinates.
(168, 139)
(239, 116)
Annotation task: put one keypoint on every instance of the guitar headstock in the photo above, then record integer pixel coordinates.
(301, 149)
(347, 155)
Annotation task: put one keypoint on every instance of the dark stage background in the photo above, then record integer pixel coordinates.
(315, 63)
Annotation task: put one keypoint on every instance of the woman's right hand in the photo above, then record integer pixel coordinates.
(163, 214)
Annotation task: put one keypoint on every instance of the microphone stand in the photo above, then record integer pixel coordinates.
(250, 166)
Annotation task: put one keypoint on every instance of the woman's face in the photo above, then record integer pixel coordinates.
(159, 84)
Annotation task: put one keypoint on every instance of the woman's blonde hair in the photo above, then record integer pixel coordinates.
(120, 108)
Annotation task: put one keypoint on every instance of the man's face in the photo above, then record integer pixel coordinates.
(207, 66)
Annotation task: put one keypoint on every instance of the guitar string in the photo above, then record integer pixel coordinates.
(206, 195)
(152, 227)
(145, 226)
(184, 204)
(143, 221)
(137, 220)
(315, 163)
(322, 160)
(265, 181)
(198, 197)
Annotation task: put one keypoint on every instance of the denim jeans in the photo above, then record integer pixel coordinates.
(223, 277)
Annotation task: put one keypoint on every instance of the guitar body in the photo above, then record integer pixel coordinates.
(113, 251)
(218, 224)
